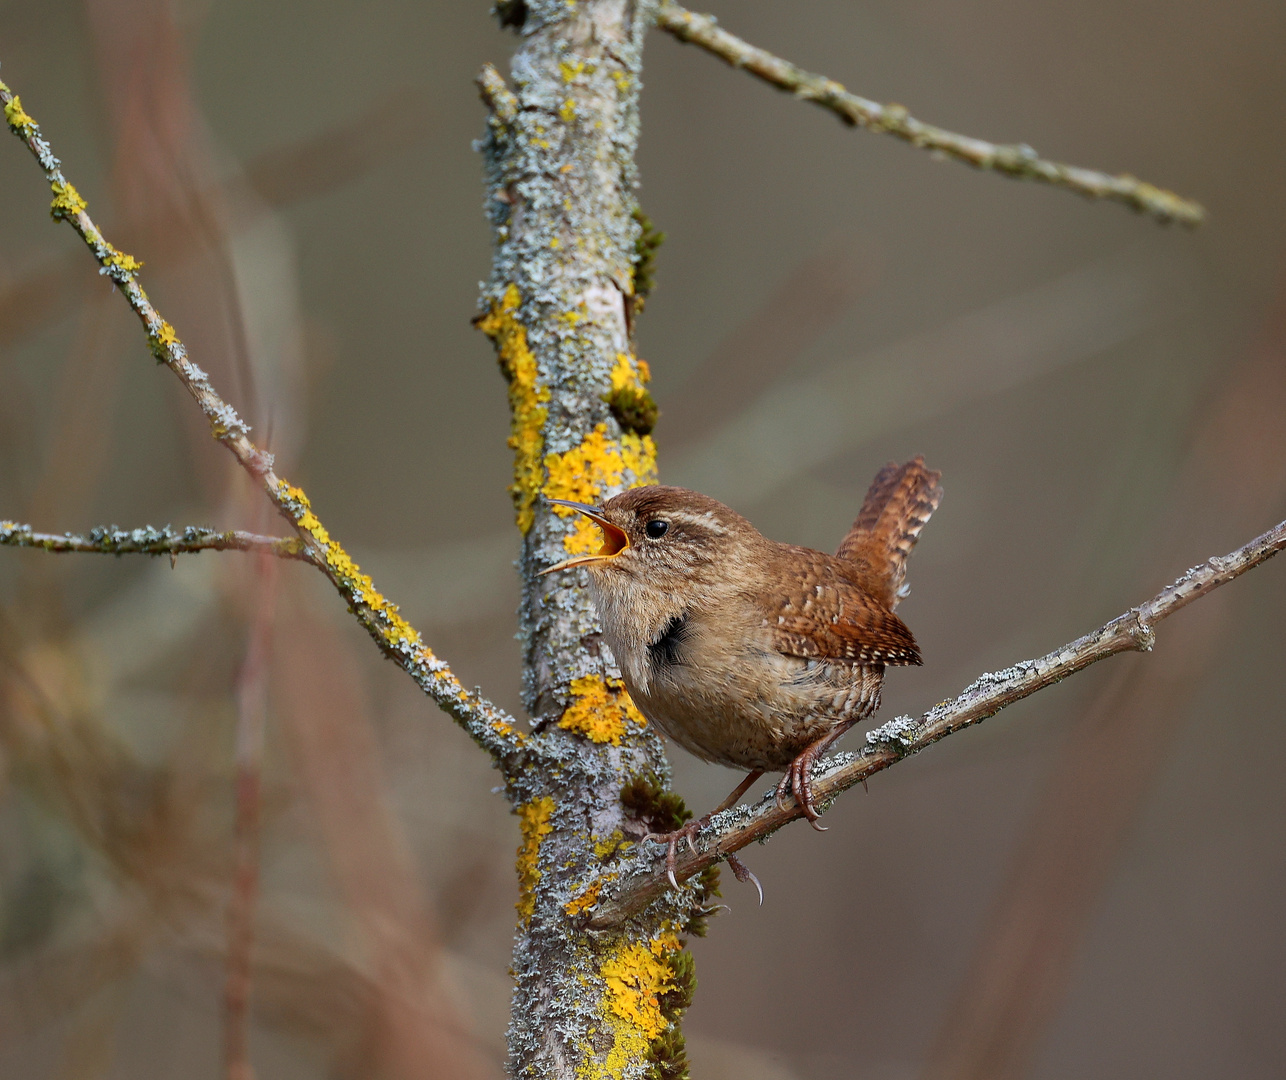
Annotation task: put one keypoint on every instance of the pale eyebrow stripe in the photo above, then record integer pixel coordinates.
(705, 521)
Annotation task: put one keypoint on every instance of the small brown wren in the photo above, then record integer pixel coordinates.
(744, 651)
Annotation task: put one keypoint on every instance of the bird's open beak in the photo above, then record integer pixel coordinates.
(615, 539)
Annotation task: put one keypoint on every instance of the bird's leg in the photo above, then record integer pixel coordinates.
(798, 778)
(690, 830)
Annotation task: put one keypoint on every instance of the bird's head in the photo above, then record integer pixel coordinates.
(660, 534)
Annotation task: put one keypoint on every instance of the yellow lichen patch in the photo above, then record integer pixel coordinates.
(533, 820)
(613, 843)
(568, 111)
(67, 201)
(636, 975)
(585, 539)
(585, 900)
(120, 261)
(623, 374)
(645, 371)
(571, 68)
(293, 494)
(585, 472)
(601, 710)
(526, 400)
(392, 628)
(160, 341)
(638, 452)
(17, 117)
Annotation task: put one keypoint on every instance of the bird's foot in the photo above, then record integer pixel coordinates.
(798, 781)
(688, 833)
(671, 841)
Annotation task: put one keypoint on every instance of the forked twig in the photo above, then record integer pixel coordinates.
(489, 725)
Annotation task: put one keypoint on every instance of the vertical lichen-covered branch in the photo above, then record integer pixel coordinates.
(560, 194)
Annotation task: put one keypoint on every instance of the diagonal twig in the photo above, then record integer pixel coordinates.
(886, 745)
(490, 726)
(1017, 160)
(153, 541)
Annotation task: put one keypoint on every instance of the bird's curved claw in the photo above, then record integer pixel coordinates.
(743, 874)
(671, 841)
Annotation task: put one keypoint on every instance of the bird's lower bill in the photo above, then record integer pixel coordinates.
(615, 539)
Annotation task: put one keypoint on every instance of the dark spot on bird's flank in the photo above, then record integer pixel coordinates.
(667, 650)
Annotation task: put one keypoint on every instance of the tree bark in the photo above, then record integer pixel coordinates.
(560, 193)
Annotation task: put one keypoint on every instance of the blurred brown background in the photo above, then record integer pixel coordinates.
(1105, 397)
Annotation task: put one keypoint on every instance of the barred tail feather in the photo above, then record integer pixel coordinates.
(900, 500)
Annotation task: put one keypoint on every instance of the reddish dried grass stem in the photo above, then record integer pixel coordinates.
(252, 693)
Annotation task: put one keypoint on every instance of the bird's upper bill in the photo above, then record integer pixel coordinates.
(615, 539)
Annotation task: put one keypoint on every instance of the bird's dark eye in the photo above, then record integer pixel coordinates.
(656, 528)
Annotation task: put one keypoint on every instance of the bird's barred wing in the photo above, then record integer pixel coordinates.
(828, 616)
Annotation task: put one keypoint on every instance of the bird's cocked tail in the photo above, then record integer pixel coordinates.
(900, 500)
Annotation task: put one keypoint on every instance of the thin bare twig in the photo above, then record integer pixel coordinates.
(153, 541)
(490, 726)
(886, 745)
(1015, 159)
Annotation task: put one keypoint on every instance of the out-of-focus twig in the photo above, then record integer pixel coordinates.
(326, 720)
(280, 177)
(153, 541)
(1016, 160)
(886, 745)
(818, 292)
(489, 726)
(1025, 954)
(252, 704)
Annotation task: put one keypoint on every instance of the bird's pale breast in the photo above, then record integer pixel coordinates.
(735, 700)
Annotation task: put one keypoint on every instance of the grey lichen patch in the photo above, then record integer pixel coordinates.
(898, 735)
